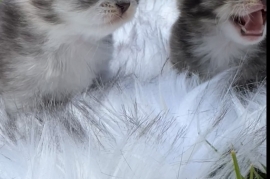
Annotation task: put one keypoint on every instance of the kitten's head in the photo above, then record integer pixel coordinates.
(243, 21)
(95, 17)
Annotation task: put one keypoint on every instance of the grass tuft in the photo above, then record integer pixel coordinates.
(254, 173)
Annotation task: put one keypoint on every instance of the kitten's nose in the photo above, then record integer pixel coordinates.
(123, 6)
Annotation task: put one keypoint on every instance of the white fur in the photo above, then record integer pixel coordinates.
(142, 127)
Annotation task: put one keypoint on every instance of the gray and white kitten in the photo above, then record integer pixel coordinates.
(53, 49)
(211, 36)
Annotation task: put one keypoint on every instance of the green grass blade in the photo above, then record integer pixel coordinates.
(236, 166)
(251, 172)
(257, 175)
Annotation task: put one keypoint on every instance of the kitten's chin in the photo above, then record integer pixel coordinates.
(235, 34)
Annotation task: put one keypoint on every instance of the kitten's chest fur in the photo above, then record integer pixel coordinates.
(72, 66)
(54, 72)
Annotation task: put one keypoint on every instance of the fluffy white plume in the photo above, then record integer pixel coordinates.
(151, 124)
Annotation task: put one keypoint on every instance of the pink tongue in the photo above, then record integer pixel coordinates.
(254, 23)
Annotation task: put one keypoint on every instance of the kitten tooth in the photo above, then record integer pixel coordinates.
(243, 31)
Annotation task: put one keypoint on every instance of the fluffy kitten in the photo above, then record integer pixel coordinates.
(211, 36)
(53, 49)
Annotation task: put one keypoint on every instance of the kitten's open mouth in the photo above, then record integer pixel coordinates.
(253, 23)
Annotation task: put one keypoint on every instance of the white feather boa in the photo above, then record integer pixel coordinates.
(151, 124)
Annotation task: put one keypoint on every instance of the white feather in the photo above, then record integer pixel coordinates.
(145, 126)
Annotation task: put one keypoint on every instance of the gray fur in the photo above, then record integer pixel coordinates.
(200, 22)
(54, 49)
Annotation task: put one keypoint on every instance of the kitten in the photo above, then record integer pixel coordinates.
(53, 49)
(211, 36)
